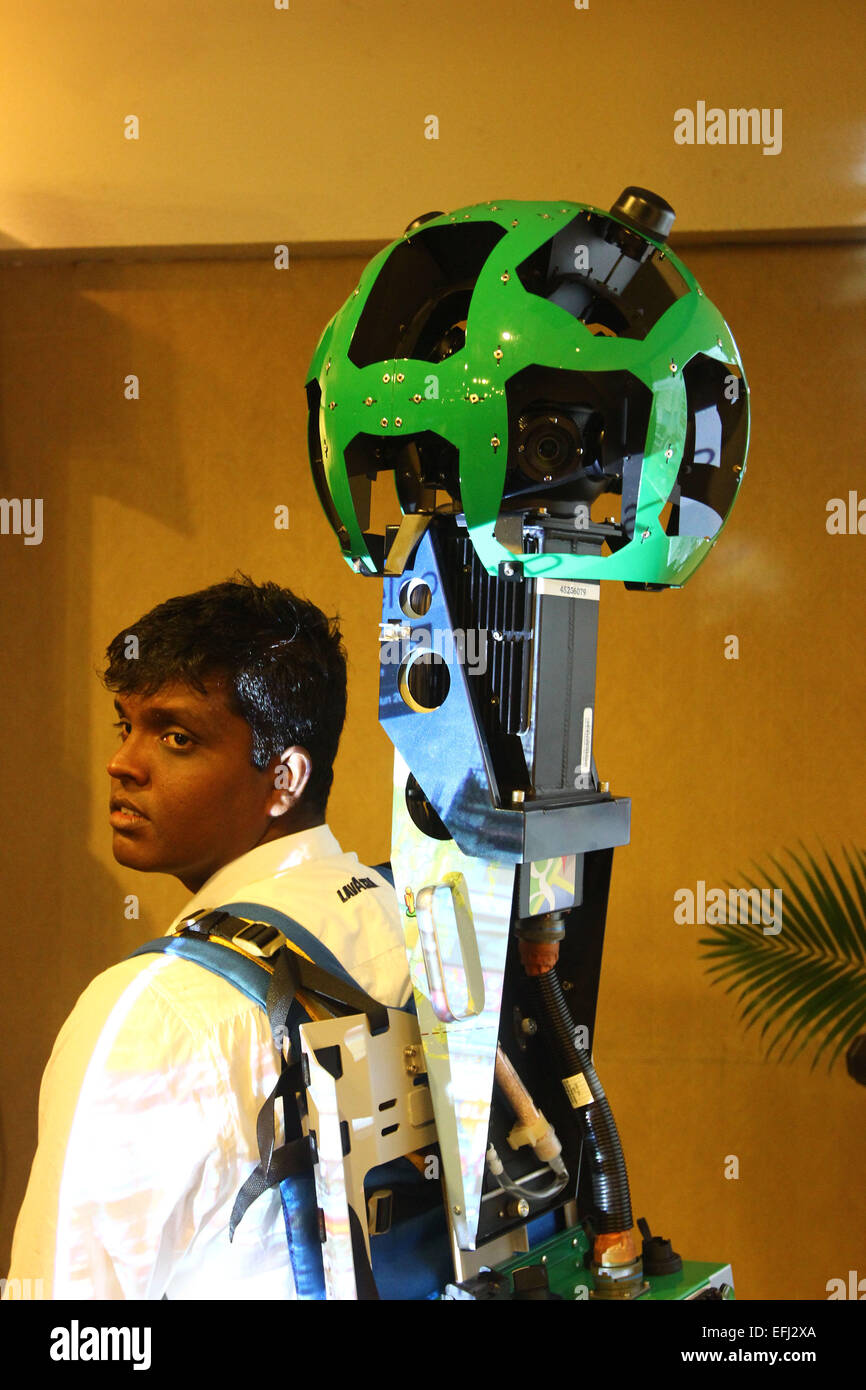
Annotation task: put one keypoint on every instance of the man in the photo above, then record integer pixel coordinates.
(230, 705)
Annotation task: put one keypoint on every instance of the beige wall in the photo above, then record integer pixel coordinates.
(306, 123)
(725, 761)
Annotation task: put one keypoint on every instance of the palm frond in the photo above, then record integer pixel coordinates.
(807, 983)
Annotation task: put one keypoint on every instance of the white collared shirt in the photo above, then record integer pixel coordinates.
(148, 1104)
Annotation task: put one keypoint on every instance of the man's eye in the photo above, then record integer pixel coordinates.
(124, 728)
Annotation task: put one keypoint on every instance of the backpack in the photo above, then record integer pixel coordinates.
(375, 1234)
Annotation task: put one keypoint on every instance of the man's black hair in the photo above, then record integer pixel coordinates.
(283, 661)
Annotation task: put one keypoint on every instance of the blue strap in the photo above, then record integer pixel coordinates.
(301, 1217)
(246, 974)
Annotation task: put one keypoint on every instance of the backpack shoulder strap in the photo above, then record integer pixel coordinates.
(249, 975)
(269, 952)
(302, 941)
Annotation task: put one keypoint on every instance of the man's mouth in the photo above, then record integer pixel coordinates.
(125, 814)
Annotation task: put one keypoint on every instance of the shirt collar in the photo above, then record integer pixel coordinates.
(265, 861)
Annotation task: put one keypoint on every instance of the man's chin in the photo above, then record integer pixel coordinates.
(132, 852)
(129, 851)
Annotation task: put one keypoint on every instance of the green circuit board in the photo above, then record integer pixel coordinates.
(565, 1259)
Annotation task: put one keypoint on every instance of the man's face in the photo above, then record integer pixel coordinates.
(185, 798)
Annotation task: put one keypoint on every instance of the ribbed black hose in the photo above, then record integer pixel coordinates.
(597, 1125)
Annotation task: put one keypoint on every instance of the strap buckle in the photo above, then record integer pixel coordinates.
(200, 923)
(380, 1211)
(252, 938)
(259, 939)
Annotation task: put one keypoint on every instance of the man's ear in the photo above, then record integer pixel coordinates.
(290, 773)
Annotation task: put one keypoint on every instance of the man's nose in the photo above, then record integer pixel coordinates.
(128, 761)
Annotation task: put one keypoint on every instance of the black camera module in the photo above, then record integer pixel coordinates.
(549, 446)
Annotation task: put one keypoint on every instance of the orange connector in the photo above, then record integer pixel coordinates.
(538, 957)
(615, 1248)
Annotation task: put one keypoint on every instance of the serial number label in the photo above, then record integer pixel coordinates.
(568, 588)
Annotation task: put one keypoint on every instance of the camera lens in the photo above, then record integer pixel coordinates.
(548, 446)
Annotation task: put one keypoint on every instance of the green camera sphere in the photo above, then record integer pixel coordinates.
(516, 356)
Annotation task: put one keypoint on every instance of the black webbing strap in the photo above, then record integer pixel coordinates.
(365, 1284)
(293, 972)
(296, 1156)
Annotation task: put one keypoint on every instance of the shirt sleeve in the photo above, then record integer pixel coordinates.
(146, 1130)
